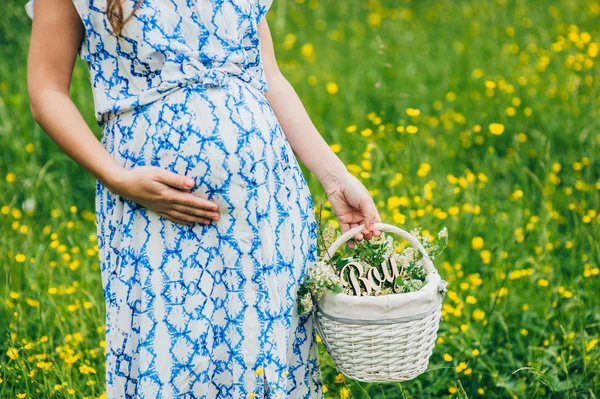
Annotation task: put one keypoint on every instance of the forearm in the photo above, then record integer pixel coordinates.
(305, 140)
(55, 112)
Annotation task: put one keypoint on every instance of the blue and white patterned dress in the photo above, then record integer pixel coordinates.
(198, 311)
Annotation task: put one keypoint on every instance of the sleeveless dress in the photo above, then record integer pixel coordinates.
(202, 311)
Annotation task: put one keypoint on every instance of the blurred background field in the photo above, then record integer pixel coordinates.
(481, 116)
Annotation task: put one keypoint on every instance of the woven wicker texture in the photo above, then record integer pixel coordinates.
(381, 353)
(391, 352)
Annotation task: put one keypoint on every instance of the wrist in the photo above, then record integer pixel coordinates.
(113, 178)
(331, 181)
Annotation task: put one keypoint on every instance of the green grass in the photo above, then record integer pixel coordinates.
(521, 318)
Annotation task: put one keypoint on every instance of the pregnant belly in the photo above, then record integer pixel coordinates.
(228, 140)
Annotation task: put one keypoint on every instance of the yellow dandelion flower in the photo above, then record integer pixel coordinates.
(453, 210)
(71, 359)
(477, 73)
(374, 19)
(477, 243)
(399, 218)
(478, 315)
(85, 369)
(307, 50)
(289, 40)
(424, 169)
(33, 302)
(413, 112)
(496, 128)
(335, 147)
(461, 366)
(13, 353)
(485, 256)
(410, 129)
(331, 87)
(516, 195)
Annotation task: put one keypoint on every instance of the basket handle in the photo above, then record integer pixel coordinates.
(388, 228)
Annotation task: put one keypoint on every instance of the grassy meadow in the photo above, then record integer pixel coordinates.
(478, 115)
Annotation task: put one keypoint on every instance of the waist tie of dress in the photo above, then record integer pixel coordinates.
(192, 70)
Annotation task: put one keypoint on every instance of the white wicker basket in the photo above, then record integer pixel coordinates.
(386, 338)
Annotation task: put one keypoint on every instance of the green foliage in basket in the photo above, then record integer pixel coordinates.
(329, 272)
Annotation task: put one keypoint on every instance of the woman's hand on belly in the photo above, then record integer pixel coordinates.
(165, 193)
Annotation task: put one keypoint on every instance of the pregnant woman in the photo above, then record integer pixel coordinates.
(205, 223)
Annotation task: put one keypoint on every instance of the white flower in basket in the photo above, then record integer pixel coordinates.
(372, 333)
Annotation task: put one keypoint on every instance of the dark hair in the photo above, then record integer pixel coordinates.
(114, 12)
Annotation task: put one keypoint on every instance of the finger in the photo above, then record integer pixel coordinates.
(345, 228)
(175, 180)
(370, 212)
(208, 215)
(193, 201)
(187, 217)
(377, 233)
(357, 236)
(174, 220)
(372, 217)
(367, 234)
